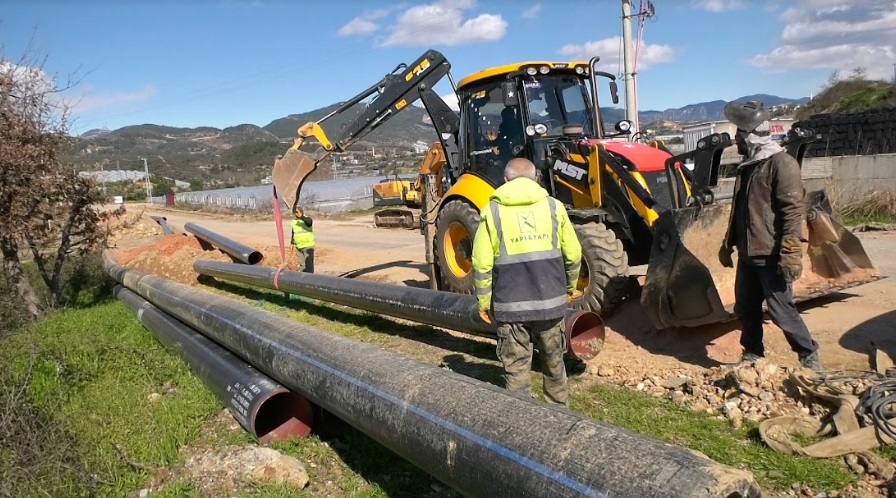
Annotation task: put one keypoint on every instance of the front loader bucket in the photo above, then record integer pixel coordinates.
(289, 173)
(686, 286)
(679, 290)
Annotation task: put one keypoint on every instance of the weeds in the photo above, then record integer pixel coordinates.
(856, 207)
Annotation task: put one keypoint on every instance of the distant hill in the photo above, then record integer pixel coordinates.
(850, 96)
(244, 154)
(713, 110)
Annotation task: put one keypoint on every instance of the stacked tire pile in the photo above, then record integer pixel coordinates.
(860, 134)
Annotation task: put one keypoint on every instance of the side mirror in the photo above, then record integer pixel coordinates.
(614, 91)
(508, 89)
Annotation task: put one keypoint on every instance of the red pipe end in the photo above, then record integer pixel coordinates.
(585, 334)
(281, 416)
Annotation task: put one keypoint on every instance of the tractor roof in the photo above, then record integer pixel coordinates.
(518, 66)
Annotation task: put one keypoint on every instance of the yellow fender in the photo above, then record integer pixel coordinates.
(471, 188)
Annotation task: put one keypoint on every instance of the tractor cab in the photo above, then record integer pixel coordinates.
(518, 109)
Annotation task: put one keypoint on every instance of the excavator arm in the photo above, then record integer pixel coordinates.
(394, 93)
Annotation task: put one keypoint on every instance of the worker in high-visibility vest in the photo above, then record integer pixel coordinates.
(303, 239)
(526, 261)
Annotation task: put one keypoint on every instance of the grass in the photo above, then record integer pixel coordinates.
(856, 207)
(97, 366)
(719, 440)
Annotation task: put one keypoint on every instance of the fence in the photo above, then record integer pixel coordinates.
(327, 196)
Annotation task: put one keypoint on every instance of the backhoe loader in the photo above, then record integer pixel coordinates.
(634, 205)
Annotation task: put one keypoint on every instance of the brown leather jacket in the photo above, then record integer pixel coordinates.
(774, 202)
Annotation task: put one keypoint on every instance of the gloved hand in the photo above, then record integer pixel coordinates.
(791, 258)
(725, 256)
(572, 296)
(485, 318)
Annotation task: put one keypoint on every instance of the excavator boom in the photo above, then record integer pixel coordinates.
(394, 93)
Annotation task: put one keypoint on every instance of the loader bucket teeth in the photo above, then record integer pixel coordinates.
(679, 290)
(290, 171)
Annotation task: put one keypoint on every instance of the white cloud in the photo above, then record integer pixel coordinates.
(532, 11)
(609, 53)
(719, 5)
(835, 34)
(89, 101)
(33, 80)
(451, 100)
(443, 23)
(363, 24)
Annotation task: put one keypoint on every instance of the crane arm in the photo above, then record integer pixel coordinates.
(396, 91)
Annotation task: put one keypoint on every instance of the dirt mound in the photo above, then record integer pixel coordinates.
(129, 226)
(172, 257)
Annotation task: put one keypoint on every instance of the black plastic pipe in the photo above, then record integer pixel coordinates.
(163, 222)
(584, 329)
(266, 409)
(233, 248)
(475, 437)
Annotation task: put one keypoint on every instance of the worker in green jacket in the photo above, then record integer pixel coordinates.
(526, 261)
(303, 239)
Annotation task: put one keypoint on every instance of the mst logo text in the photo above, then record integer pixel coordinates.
(569, 170)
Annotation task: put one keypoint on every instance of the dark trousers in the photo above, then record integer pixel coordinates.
(755, 284)
(306, 259)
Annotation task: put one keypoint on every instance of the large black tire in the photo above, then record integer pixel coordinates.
(456, 226)
(604, 280)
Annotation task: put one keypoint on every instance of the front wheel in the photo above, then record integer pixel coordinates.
(453, 246)
(604, 279)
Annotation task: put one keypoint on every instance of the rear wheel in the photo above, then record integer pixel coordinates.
(604, 280)
(453, 246)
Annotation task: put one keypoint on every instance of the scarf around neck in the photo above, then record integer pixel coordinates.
(759, 148)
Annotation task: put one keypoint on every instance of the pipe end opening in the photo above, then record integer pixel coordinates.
(585, 333)
(282, 416)
(255, 257)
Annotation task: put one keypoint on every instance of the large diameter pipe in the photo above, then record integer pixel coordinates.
(266, 409)
(231, 247)
(479, 439)
(163, 222)
(584, 329)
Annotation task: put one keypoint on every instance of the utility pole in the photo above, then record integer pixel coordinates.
(628, 54)
(148, 183)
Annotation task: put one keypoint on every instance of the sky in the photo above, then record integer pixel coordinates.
(227, 62)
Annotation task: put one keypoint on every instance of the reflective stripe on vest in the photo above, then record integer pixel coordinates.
(529, 275)
(302, 234)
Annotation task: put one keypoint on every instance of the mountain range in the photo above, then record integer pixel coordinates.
(243, 154)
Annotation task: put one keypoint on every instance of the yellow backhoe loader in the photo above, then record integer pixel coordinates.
(396, 191)
(637, 208)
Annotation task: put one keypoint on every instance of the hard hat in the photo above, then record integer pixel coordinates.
(746, 116)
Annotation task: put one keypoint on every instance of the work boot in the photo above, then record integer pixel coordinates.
(811, 362)
(749, 357)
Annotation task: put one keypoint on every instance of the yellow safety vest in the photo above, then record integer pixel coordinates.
(526, 256)
(302, 234)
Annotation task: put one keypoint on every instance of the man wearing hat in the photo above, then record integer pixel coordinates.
(303, 239)
(765, 226)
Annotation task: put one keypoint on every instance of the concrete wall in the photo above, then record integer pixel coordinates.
(852, 175)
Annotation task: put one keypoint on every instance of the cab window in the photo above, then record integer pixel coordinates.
(494, 132)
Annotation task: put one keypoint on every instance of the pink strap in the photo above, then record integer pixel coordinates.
(278, 218)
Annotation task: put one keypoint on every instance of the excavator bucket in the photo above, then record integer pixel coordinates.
(686, 286)
(290, 171)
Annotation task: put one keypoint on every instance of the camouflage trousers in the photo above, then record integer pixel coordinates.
(306, 259)
(515, 342)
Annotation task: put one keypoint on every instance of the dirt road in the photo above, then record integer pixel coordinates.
(845, 324)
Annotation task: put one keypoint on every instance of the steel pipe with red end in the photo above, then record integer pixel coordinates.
(266, 409)
(584, 329)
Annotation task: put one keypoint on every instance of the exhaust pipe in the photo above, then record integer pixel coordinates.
(584, 329)
(476, 438)
(267, 410)
(233, 248)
